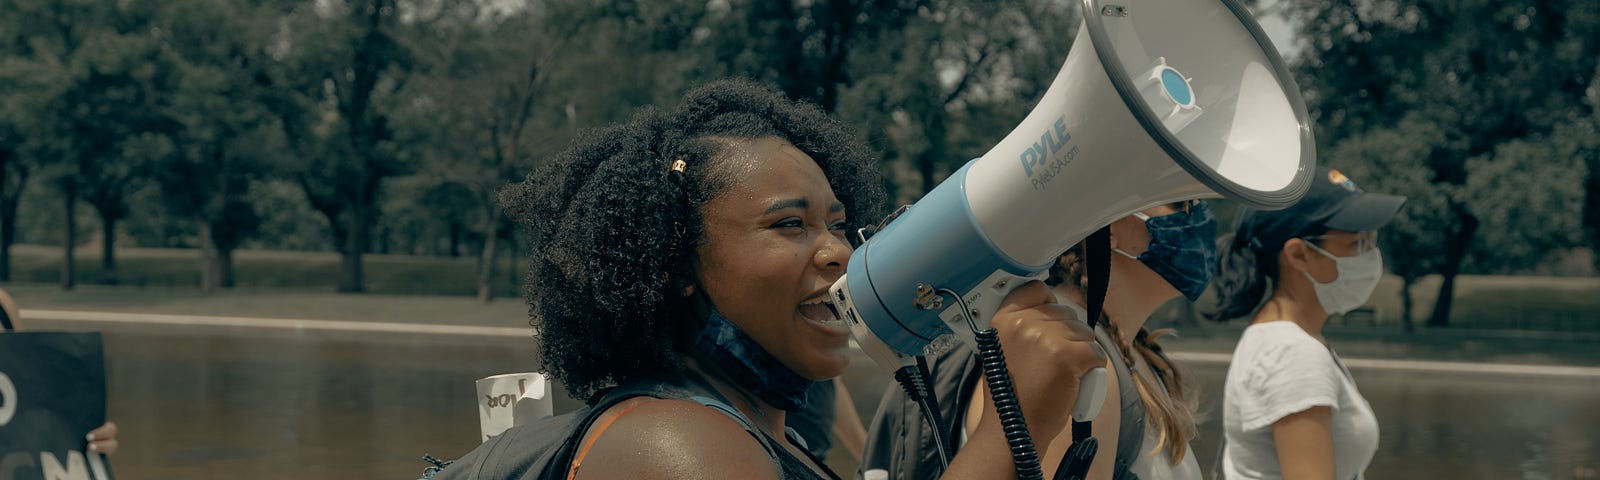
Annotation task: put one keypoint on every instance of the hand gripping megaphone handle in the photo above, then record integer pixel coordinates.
(991, 359)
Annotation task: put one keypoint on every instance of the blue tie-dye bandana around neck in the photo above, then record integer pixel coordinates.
(749, 365)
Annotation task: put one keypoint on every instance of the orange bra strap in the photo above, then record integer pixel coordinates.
(595, 435)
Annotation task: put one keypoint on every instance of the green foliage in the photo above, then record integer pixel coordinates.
(1479, 111)
(361, 125)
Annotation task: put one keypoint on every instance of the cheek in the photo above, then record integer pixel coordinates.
(1325, 270)
(1134, 239)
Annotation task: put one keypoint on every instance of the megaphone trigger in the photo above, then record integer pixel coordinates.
(1091, 395)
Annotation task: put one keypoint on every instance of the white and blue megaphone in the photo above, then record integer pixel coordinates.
(1159, 101)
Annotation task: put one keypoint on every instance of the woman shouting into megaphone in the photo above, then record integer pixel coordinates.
(685, 262)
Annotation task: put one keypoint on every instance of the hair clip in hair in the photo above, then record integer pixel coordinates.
(678, 165)
(678, 227)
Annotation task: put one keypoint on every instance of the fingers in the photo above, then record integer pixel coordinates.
(104, 439)
(107, 431)
(104, 446)
(1030, 294)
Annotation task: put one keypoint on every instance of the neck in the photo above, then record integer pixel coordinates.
(1128, 310)
(1294, 300)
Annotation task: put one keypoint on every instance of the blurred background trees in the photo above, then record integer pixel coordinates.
(388, 126)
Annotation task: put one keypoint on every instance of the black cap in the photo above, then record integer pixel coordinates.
(1333, 201)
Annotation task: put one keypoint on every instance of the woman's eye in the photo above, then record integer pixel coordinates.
(789, 223)
(837, 226)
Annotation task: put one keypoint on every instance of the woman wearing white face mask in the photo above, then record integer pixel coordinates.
(1290, 408)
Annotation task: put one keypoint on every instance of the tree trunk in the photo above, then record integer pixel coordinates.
(355, 244)
(1455, 250)
(68, 279)
(8, 211)
(225, 267)
(108, 259)
(1591, 209)
(1406, 302)
(486, 261)
(511, 256)
(382, 240)
(455, 239)
(8, 233)
(210, 265)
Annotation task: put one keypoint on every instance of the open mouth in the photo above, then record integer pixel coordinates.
(822, 310)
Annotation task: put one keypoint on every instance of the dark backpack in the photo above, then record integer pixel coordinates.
(544, 448)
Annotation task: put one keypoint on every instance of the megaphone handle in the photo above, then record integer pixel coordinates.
(993, 361)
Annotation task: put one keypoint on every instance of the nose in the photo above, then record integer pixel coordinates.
(832, 253)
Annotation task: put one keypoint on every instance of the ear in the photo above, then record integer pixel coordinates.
(688, 290)
(1120, 232)
(1295, 255)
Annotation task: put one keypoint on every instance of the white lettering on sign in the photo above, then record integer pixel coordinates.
(8, 399)
(51, 467)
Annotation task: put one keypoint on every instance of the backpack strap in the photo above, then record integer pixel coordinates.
(1130, 431)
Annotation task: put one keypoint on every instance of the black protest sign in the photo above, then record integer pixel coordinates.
(52, 393)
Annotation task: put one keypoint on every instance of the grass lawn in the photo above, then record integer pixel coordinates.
(311, 271)
(1550, 320)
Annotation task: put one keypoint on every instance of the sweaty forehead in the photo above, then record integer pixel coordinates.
(742, 156)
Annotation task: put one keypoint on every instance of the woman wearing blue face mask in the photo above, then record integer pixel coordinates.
(1291, 409)
(1160, 253)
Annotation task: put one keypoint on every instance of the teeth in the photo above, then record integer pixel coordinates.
(833, 311)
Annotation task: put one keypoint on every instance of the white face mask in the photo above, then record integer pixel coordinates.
(1358, 277)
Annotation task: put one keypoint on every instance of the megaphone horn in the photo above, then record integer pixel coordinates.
(1158, 101)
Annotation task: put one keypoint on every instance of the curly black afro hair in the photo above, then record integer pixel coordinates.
(618, 227)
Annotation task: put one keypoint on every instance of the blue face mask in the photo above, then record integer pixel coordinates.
(750, 366)
(1182, 248)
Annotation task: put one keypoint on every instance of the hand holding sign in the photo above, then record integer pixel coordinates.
(52, 389)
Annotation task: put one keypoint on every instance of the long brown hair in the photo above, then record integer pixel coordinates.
(1172, 414)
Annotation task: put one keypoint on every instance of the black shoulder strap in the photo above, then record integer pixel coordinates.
(690, 387)
(5, 321)
(1097, 258)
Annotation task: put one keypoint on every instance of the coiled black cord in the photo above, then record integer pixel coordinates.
(993, 360)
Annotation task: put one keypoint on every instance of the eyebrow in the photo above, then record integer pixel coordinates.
(802, 204)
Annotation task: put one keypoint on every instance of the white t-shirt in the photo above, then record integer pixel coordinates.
(1278, 369)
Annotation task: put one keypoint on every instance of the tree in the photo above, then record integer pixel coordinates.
(471, 111)
(954, 81)
(1486, 74)
(85, 69)
(805, 48)
(341, 64)
(1385, 160)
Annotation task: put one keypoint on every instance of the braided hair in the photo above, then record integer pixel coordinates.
(617, 218)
